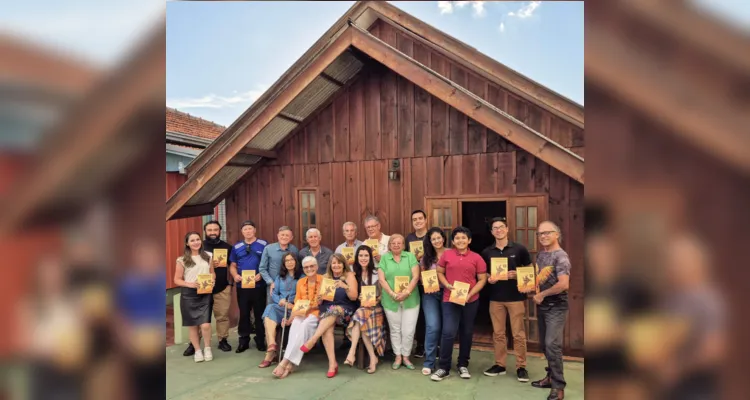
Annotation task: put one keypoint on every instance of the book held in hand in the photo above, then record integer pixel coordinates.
(369, 296)
(417, 248)
(220, 255)
(328, 289)
(401, 283)
(430, 281)
(348, 253)
(248, 279)
(205, 284)
(525, 278)
(374, 245)
(301, 305)
(460, 293)
(499, 268)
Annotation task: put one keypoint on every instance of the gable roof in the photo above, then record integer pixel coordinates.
(182, 122)
(319, 74)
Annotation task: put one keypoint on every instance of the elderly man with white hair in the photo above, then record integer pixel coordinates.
(314, 249)
(350, 235)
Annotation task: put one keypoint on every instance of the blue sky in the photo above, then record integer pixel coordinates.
(223, 55)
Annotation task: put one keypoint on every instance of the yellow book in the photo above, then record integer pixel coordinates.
(417, 248)
(248, 279)
(205, 284)
(430, 281)
(348, 253)
(301, 305)
(460, 293)
(221, 256)
(401, 283)
(374, 245)
(369, 296)
(328, 289)
(499, 268)
(526, 280)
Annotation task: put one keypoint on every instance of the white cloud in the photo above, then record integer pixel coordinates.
(242, 99)
(502, 27)
(447, 7)
(526, 11)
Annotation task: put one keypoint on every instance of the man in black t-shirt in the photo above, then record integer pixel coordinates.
(419, 223)
(504, 296)
(222, 293)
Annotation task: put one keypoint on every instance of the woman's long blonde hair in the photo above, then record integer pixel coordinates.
(329, 270)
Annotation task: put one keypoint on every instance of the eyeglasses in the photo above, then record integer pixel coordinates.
(310, 266)
(545, 233)
(499, 228)
(290, 261)
(371, 227)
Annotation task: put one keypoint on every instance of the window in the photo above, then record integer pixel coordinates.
(307, 212)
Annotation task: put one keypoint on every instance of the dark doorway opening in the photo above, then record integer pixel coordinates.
(476, 215)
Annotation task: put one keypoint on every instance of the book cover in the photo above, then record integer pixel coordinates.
(248, 279)
(369, 296)
(430, 281)
(460, 293)
(348, 253)
(525, 279)
(499, 268)
(417, 248)
(374, 245)
(401, 283)
(221, 256)
(301, 305)
(328, 289)
(205, 284)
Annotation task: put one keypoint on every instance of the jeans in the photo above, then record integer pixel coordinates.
(432, 305)
(457, 320)
(551, 325)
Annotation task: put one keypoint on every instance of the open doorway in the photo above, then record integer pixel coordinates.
(476, 215)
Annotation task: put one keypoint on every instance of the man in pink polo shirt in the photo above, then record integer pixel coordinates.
(459, 264)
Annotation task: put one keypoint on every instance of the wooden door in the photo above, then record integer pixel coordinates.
(443, 213)
(524, 216)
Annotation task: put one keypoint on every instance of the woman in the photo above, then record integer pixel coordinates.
(339, 311)
(284, 291)
(305, 321)
(195, 308)
(367, 321)
(463, 265)
(432, 303)
(401, 309)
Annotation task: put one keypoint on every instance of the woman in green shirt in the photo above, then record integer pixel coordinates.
(398, 275)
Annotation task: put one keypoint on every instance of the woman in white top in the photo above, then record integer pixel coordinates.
(195, 308)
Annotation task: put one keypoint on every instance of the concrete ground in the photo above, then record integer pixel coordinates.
(236, 376)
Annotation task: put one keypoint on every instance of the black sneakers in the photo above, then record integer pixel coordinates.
(523, 375)
(463, 372)
(495, 370)
(189, 351)
(439, 375)
(224, 345)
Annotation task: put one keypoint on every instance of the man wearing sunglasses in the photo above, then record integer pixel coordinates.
(553, 278)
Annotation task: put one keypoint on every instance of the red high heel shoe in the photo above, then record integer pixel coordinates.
(332, 374)
(304, 349)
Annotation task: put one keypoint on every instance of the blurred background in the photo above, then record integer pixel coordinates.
(82, 199)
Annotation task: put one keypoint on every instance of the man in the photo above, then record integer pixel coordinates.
(246, 256)
(270, 263)
(504, 296)
(419, 222)
(313, 248)
(350, 236)
(372, 227)
(222, 293)
(553, 279)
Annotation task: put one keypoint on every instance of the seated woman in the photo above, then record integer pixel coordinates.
(284, 291)
(304, 321)
(339, 311)
(367, 321)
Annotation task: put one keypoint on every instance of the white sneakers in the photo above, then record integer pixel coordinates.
(198, 357)
(207, 355)
(426, 371)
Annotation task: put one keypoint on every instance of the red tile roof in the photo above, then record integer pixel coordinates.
(181, 122)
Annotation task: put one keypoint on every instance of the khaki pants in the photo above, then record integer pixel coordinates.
(222, 301)
(516, 310)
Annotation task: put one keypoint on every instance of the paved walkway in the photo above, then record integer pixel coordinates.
(236, 376)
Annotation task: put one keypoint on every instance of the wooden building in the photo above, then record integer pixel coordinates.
(385, 114)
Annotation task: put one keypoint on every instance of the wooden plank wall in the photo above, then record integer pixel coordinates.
(346, 149)
(177, 229)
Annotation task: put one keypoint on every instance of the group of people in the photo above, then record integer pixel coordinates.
(286, 276)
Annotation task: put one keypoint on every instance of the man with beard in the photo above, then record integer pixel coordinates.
(222, 293)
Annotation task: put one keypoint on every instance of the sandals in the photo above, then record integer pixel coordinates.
(372, 368)
(409, 366)
(396, 365)
(272, 348)
(349, 363)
